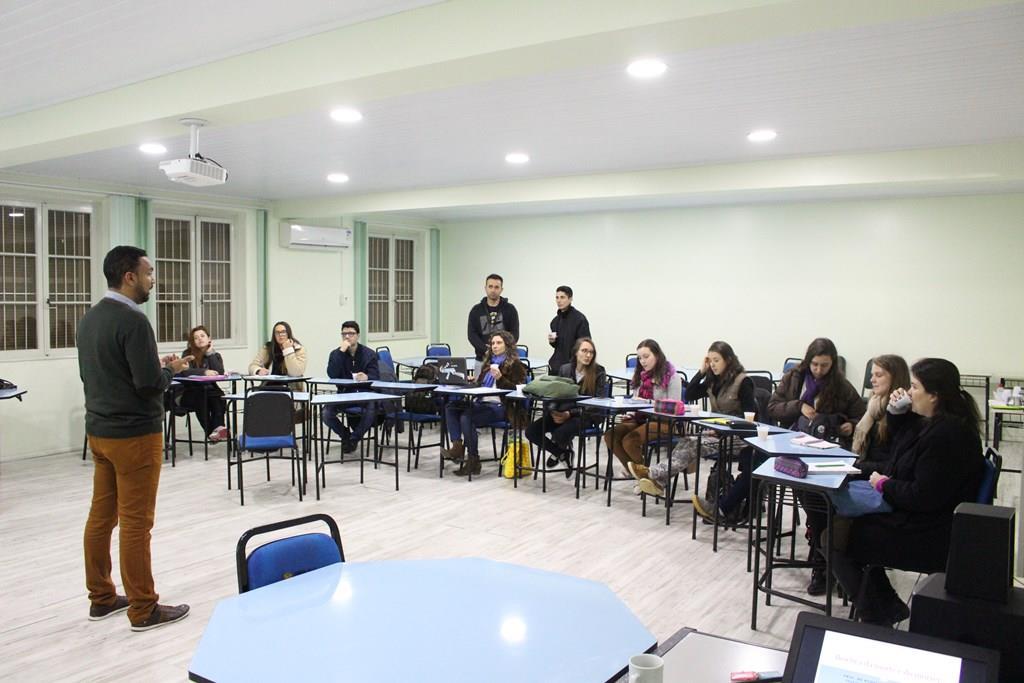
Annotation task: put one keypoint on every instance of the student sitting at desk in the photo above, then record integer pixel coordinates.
(282, 355)
(654, 378)
(871, 436)
(502, 369)
(205, 361)
(936, 464)
(814, 396)
(564, 424)
(728, 389)
(351, 360)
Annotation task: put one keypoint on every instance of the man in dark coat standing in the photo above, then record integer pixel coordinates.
(567, 326)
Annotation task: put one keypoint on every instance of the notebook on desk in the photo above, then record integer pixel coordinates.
(830, 650)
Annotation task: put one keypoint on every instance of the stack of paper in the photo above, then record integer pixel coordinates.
(834, 467)
(812, 442)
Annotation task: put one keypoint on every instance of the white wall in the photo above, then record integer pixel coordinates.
(922, 276)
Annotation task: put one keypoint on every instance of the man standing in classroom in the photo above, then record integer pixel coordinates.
(567, 326)
(124, 380)
(493, 314)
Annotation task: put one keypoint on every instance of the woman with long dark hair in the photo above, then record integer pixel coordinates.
(936, 464)
(816, 397)
(501, 368)
(205, 361)
(654, 378)
(281, 355)
(871, 436)
(563, 422)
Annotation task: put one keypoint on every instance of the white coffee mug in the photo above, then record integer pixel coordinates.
(646, 669)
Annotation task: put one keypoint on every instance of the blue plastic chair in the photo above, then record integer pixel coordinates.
(523, 350)
(269, 427)
(438, 350)
(630, 360)
(286, 557)
(990, 478)
(386, 364)
(790, 363)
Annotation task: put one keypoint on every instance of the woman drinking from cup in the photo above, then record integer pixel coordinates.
(502, 369)
(936, 464)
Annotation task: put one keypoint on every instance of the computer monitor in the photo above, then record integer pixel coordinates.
(829, 650)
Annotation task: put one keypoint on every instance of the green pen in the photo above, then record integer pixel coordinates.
(832, 464)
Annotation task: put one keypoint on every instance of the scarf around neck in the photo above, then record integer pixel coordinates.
(488, 377)
(812, 387)
(646, 388)
(874, 413)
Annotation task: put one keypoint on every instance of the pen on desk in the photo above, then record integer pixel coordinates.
(831, 464)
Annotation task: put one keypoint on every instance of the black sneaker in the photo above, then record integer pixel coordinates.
(98, 612)
(349, 446)
(817, 584)
(161, 616)
(552, 461)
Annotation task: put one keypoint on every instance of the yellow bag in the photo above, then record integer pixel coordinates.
(517, 452)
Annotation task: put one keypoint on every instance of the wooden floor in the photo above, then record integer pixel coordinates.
(667, 579)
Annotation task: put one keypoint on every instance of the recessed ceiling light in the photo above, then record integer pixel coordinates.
(762, 135)
(646, 68)
(16, 214)
(346, 115)
(517, 157)
(337, 178)
(152, 148)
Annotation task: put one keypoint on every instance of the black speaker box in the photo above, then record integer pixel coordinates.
(980, 561)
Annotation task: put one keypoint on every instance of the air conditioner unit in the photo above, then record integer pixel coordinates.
(297, 236)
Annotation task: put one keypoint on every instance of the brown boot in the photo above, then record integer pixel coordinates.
(471, 465)
(456, 453)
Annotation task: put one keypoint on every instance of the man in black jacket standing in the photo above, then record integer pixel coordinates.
(567, 326)
(493, 314)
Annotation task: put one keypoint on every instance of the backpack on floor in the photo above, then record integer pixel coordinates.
(423, 402)
(517, 452)
(710, 491)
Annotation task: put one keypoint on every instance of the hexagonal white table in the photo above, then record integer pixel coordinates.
(421, 620)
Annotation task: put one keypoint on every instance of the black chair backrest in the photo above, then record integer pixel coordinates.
(685, 379)
(867, 375)
(269, 413)
(242, 567)
(762, 379)
(761, 397)
(992, 455)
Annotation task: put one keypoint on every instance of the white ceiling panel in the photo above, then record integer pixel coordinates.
(57, 50)
(957, 79)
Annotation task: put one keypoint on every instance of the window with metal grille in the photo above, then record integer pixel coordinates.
(193, 277)
(19, 298)
(391, 285)
(45, 275)
(68, 246)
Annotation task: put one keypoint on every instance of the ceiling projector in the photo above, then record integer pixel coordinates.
(196, 170)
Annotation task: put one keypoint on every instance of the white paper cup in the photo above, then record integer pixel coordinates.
(762, 432)
(749, 417)
(519, 388)
(694, 409)
(494, 367)
(646, 669)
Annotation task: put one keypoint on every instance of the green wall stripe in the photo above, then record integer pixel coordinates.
(434, 334)
(262, 286)
(359, 249)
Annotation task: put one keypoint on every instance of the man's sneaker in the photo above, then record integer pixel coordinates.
(97, 612)
(650, 487)
(349, 446)
(161, 616)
